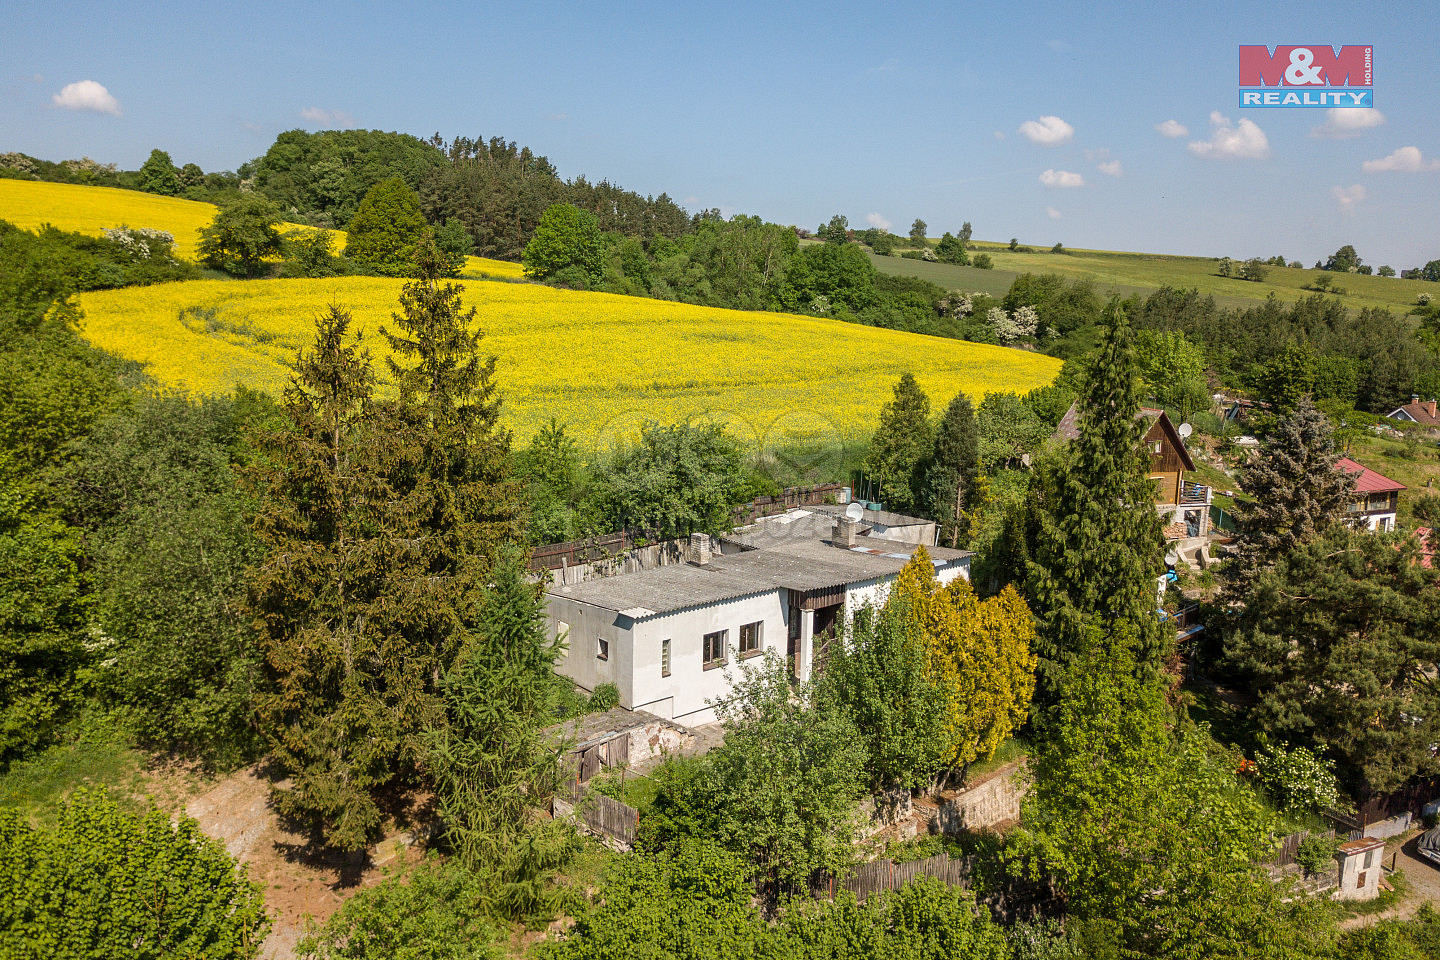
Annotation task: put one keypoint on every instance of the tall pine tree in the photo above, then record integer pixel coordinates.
(1296, 494)
(328, 710)
(382, 522)
(949, 488)
(1098, 546)
(901, 444)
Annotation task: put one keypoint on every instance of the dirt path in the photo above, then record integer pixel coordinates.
(298, 886)
(1422, 878)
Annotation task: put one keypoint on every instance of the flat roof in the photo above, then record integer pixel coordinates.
(803, 564)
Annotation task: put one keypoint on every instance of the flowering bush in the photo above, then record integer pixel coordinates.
(1296, 779)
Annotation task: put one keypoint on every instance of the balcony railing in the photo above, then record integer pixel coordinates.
(1194, 494)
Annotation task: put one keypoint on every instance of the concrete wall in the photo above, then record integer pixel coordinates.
(586, 625)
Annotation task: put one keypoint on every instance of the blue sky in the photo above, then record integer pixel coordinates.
(882, 112)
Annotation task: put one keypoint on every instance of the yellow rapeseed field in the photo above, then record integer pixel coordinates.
(30, 204)
(601, 363)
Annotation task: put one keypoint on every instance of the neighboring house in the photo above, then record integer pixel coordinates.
(668, 636)
(1182, 504)
(1425, 414)
(1377, 497)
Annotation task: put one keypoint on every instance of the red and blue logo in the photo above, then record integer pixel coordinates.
(1313, 75)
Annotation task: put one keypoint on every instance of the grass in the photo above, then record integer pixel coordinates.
(601, 363)
(1143, 273)
(31, 204)
(1009, 751)
(36, 786)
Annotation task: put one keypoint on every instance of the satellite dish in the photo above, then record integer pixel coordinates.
(854, 512)
(1184, 430)
(1171, 559)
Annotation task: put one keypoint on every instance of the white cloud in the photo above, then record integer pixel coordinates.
(877, 221)
(1243, 141)
(1348, 197)
(328, 118)
(1052, 213)
(1061, 178)
(1404, 160)
(1172, 128)
(87, 95)
(1343, 122)
(557, 117)
(1112, 168)
(1049, 131)
(999, 135)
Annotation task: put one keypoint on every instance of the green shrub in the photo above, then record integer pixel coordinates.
(107, 884)
(1315, 854)
(606, 696)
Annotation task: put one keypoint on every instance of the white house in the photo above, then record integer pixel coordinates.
(667, 636)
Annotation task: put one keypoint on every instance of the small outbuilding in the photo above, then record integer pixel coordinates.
(1360, 869)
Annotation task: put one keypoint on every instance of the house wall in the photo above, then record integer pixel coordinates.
(1167, 485)
(587, 624)
(681, 696)
(875, 591)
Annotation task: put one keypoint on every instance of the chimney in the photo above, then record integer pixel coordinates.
(846, 532)
(1414, 398)
(1429, 406)
(700, 548)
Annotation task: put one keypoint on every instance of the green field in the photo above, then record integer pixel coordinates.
(1144, 273)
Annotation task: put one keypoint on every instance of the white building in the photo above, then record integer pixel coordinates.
(666, 637)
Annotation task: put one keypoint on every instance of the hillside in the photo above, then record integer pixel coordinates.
(1144, 273)
(601, 363)
(31, 204)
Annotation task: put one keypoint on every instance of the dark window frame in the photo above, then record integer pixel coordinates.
(757, 630)
(720, 637)
(602, 648)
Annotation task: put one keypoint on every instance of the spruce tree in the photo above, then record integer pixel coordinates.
(329, 713)
(900, 445)
(1098, 546)
(490, 761)
(949, 476)
(448, 456)
(1296, 495)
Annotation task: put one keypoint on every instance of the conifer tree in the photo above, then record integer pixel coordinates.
(900, 445)
(950, 475)
(1296, 495)
(1098, 546)
(331, 716)
(490, 761)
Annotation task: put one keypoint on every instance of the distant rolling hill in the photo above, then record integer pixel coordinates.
(31, 204)
(1144, 273)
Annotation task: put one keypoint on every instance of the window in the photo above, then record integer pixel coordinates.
(602, 649)
(1369, 859)
(665, 657)
(1157, 446)
(714, 649)
(750, 636)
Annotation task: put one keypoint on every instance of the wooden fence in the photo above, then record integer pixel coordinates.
(877, 875)
(791, 498)
(601, 814)
(1286, 854)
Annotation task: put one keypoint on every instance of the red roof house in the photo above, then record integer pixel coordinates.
(1377, 497)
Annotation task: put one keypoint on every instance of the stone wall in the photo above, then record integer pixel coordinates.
(985, 803)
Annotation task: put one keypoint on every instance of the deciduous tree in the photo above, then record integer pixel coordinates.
(242, 237)
(103, 883)
(566, 247)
